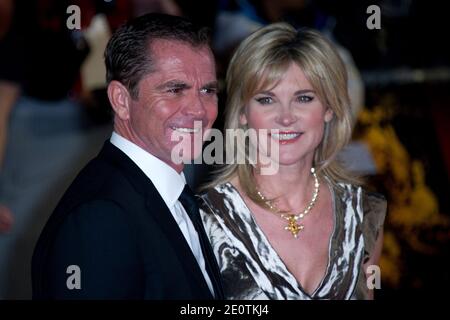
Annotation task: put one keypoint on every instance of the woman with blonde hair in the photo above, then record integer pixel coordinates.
(306, 230)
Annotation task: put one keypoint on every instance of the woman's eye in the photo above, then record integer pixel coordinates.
(264, 100)
(305, 99)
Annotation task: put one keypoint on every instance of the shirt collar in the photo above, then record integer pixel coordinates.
(167, 181)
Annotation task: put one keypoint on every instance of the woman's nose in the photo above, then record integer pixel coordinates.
(286, 118)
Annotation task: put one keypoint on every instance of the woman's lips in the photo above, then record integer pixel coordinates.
(286, 137)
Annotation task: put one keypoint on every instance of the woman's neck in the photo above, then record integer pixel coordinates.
(291, 185)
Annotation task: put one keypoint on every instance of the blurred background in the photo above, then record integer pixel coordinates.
(54, 114)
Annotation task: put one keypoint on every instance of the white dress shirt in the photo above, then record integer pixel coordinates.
(169, 184)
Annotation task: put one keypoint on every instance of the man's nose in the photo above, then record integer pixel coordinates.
(195, 106)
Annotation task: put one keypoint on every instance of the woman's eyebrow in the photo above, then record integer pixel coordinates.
(269, 93)
(304, 91)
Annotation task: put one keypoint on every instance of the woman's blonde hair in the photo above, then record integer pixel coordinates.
(259, 62)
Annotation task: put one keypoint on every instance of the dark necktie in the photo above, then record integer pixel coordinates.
(189, 202)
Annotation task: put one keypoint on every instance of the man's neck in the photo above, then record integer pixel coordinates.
(133, 138)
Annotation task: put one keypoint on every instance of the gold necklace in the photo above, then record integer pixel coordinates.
(291, 218)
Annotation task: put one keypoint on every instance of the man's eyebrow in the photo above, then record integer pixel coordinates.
(211, 85)
(173, 84)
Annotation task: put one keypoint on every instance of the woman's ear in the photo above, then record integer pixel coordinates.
(243, 119)
(329, 114)
(120, 99)
(243, 116)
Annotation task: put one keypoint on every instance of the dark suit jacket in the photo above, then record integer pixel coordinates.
(113, 224)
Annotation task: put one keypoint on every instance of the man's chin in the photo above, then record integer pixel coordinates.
(193, 157)
(187, 156)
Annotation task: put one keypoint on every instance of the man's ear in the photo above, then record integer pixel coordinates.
(120, 99)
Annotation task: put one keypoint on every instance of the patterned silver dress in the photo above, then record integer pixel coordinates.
(252, 269)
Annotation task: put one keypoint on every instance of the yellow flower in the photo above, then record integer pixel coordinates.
(412, 206)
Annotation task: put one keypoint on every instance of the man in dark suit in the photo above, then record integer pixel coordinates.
(128, 227)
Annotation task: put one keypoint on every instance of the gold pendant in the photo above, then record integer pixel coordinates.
(293, 226)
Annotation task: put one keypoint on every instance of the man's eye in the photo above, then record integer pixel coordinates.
(264, 100)
(175, 90)
(305, 99)
(209, 90)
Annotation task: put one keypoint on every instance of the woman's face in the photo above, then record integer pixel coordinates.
(295, 110)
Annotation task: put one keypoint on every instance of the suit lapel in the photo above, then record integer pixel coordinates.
(157, 208)
(164, 218)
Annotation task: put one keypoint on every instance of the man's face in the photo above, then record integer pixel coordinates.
(181, 89)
